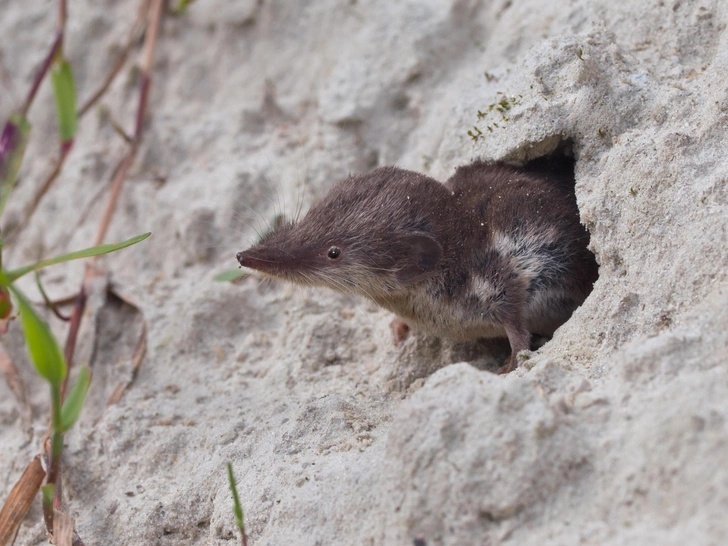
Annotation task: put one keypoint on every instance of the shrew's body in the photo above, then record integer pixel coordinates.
(495, 251)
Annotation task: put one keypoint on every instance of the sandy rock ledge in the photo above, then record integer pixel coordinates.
(615, 432)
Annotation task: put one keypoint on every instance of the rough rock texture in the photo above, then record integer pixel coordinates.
(615, 432)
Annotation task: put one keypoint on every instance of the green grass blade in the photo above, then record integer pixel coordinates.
(236, 500)
(64, 92)
(73, 404)
(43, 348)
(87, 253)
(13, 141)
(42, 291)
(230, 275)
(47, 493)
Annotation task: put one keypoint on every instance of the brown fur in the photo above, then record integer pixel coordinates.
(495, 251)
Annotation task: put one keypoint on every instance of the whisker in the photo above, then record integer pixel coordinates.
(302, 182)
(274, 189)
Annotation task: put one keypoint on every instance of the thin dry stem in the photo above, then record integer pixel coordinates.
(62, 16)
(150, 42)
(120, 130)
(57, 42)
(70, 347)
(136, 361)
(134, 34)
(116, 185)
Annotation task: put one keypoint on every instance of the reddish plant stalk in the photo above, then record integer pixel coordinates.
(55, 48)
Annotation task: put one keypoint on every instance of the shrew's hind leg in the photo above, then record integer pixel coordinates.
(400, 330)
(501, 289)
(520, 340)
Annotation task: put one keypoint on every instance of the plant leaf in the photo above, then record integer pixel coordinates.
(13, 140)
(231, 275)
(86, 253)
(42, 346)
(73, 404)
(237, 509)
(64, 92)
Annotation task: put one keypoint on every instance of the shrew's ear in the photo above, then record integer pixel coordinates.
(420, 255)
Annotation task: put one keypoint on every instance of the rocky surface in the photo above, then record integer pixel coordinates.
(614, 432)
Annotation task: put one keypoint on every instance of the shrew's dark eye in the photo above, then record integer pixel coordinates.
(334, 253)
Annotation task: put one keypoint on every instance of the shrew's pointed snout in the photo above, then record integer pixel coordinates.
(271, 261)
(260, 259)
(251, 259)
